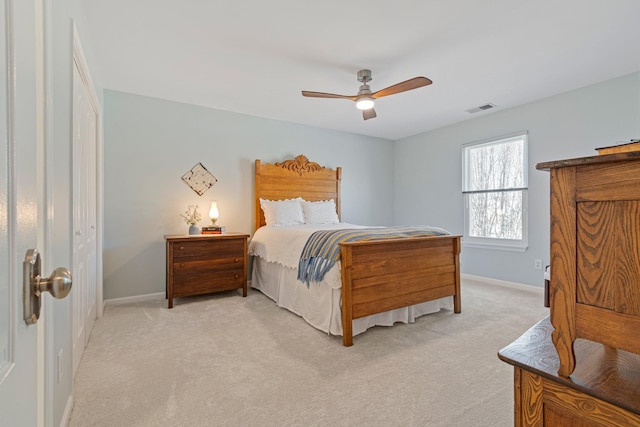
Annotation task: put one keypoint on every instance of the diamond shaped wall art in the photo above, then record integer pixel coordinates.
(199, 179)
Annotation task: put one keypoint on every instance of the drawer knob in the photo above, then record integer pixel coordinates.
(235, 260)
(181, 248)
(236, 276)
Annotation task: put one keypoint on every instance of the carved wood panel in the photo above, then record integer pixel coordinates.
(628, 266)
(609, 255)
(596, 253)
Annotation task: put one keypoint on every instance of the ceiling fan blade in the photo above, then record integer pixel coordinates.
(410, 84)
(327, 95)
(369, 114)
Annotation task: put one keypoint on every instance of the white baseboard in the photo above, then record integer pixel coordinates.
(514, 285)
(135, 298)
(146, 297)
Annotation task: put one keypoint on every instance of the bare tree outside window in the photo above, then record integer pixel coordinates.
(495, 189)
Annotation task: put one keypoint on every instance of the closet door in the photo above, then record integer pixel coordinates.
(85, 271)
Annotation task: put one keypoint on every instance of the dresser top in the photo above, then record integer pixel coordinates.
(186, 237)
(601, 371)
(591, 160)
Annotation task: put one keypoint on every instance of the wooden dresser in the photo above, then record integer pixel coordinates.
(595, 253)
(205, 263)
(581, 366)
(604, 389)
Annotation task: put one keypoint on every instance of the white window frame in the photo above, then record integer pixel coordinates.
(519, 245)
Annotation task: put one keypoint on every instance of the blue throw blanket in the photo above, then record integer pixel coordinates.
(322, 250)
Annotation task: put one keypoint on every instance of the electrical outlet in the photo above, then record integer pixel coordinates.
(537, 264)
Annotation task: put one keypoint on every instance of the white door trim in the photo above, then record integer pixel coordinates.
(8, 51)
(47, 366)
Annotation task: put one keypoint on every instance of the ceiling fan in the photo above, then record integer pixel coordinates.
(365, 98)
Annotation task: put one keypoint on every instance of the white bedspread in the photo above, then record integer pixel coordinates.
(283, 245)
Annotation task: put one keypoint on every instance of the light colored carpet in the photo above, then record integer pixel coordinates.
(224, 360)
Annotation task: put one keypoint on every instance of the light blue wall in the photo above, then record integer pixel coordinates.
(150, 143)
(428, 167)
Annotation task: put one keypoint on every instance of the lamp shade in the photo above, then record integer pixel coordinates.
(213, 212)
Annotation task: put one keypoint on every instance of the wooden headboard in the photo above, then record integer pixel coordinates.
(294, 178)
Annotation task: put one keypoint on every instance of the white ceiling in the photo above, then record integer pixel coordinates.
(255, 56)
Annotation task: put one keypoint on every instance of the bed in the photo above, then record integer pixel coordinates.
(374, 283)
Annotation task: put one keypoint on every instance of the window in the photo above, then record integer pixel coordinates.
(495, 193)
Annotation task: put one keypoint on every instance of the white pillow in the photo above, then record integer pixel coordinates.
(323, 212)
(282, 212)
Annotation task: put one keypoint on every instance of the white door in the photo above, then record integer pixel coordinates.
(85, 189)
(20, 196)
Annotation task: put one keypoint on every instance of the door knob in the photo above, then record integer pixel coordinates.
(58, 284)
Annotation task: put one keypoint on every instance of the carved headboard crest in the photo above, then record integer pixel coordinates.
(300, 164)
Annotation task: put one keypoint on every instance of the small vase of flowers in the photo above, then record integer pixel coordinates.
(192, 217)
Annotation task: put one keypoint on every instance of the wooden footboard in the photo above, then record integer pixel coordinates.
(383, 275)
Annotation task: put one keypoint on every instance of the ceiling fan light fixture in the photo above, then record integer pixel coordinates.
(365, 98)
(364, 103)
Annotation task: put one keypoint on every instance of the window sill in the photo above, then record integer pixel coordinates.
(495, 246)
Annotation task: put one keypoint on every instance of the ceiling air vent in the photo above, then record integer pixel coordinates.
(481, 108)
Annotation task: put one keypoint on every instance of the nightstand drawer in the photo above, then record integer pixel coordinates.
(194, 284)
(199, 264)
(208, 248)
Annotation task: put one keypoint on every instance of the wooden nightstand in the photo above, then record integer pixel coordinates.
(205, 263)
